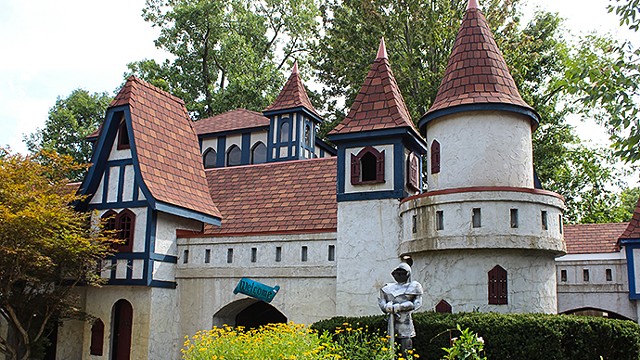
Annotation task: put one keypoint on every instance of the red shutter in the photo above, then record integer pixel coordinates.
(380, 167)
(355, 170)
(435, 157)
(97, 337)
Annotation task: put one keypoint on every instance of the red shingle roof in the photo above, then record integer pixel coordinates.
(275, 197)
(230, 120)
(379, 104)
(293, 95)
(167, 147)
(476, 72)
(633, 230)
(593, 238)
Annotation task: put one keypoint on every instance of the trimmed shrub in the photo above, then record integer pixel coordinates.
(517, 336)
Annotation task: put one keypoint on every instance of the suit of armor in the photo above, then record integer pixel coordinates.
(399, 300)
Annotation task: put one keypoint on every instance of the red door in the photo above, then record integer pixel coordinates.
(121, 330)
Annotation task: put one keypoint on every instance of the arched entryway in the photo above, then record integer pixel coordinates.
(590, 311)
(121, 324)
(249, 313)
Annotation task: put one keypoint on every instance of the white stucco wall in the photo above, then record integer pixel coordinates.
(461, 278)
(367, 253)
(116, 154)
(307, 288)
(209, 143)
(482, 148)
(166, 342)
(138, 245)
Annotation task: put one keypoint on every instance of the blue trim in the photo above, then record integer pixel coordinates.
(231, 132)
(164, 258)
(145, 256)
(221, 152)
(630, 245)
(270, 142)
(119, 162)
(341, 163)
(105, 184)
(187, 213)
(114, 262)
(372, 195)
(163, 284)
(299, 109)
(245, 158)
(325, 147)
(140, 282)
(120, 183)
(118, 205)
(532, 114)
(149, 245)
(129, 269)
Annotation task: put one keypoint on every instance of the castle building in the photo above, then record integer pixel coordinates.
(201, 205)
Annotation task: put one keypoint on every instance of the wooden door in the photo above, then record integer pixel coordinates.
(121, 330)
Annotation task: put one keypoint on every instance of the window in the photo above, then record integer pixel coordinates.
(234, 156)
(259, 153)
(123, 224)
(413, 172)
(254, 255)
(304, 253)
(476, 218)
(123, 136)
(585, 274)
(414, 224)
(278, 253)
(229, 256)
(307, 135)
(560, 222)
(608, 275)
(185, 257)
(563, 275)
(545, 224)
(367, 167)
(497, 286)
(207, 256)
(331, 256)
(514, 218)
(443, 307)
(435, 157)
(97, 337)
(210, 158)
(284, 130)
(439, 220)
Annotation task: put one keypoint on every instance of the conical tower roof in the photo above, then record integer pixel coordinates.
(477, 77)
(293, 95)
(379, 104)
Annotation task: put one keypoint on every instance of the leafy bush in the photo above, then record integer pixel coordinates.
(517, 336)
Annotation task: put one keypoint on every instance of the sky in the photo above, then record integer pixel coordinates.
(49, 48)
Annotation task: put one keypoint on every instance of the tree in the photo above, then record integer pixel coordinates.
(70, 121)
(46, 248)
(225, 50)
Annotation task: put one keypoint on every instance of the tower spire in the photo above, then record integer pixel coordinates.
(473, 4)
(382, 50)
(295, 67)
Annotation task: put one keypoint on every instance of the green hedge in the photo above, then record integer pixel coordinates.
(518, 336)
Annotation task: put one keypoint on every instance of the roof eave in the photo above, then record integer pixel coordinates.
(186, 213)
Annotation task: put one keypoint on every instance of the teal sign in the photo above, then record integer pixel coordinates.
(256, 290)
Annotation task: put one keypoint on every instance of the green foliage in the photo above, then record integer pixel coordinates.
(629, 12)
(468, 345)
(46, 247)
(70, 121)
(518, 336)
(225, 51)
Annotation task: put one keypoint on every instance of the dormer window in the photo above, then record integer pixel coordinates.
(259, 153)
(307, 135)
(367, 167)
(210, 158)
(123, 136)
(234, 156)
(284, 131)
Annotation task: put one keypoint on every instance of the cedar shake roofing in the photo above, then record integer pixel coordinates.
(229, 121)
(293, 95)
(379, 104)
(292, 196)
(476, 72)
(166, 146)
(593, 238)
(633, 230)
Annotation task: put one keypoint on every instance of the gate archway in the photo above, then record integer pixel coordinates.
(249, 313)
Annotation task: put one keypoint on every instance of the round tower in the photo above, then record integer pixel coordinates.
(482, 237)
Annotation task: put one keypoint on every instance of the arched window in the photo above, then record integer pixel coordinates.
(125, 224)
(234, 156)
(109, 219)
(285, 128)
(97, 337)
(498, 286)
(307, 135)
(210, 158)
(367, 167)
(259, 153)
(413, 172)
(123, 136)
(435, 157)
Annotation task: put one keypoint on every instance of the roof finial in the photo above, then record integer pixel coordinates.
(295, 67)
(473, 4)
(382, 50)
